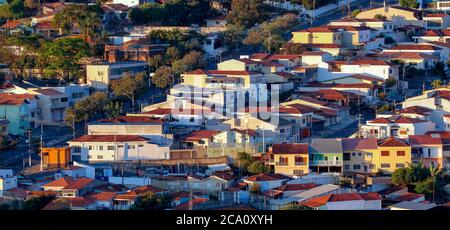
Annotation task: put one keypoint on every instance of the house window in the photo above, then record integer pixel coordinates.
(371, 166)
(100, 147)
(284, 161)
(401, 153)
(429, 152)
(90, 147)
(384, 153)
(359, 154)
(356, 167)
(100, 73)
(353, 154)
(369, 155)
(346, 167)
(131, 147)
(64, 99)
(385, 165)
(400, 165)
(120, 146)
(191, 119)
(89, 156)
(346, 156)
(76, 149)
(100, 157)
(110, 147)
(299, 160)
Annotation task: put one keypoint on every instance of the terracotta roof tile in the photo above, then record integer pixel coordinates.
(109, 138)
(290, 148)
(392, 142)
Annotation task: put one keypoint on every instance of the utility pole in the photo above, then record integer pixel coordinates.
(29, 147)
(73, 127)
(348, 8)
(42, 145)
(359, 126)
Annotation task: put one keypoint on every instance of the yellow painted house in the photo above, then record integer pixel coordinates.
(398, 14)
(358, 155)
(371, 156)
(318, 35)
(290, 159)
(394, 153)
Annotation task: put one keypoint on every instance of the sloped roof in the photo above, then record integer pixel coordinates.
(392, 142)
(298, 148)
(349, 144)
(326, 146)
(109, 138)
(201, 134)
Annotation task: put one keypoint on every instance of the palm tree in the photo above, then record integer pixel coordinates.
(436, 173)
(90, 27)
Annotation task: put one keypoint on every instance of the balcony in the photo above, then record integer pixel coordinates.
(281, 163)
(300, 163)
(326, 163)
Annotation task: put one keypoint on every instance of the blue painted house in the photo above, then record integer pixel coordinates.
(20, 110)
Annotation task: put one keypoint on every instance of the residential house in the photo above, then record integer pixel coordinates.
(102, 200)
(7, 180)
(139, 49)
(200, 138)
(436, 21)
(47, 29)
(100, 75)
(397, 14)
(419, 60)
(221, 78)
(15, 27)
(433, 35)
(396, 126)
(216, 21)
(20, 110)
(55, 157)
(70, 203)
(358, 154)
(318, 35)
(52, 104)
(326, 155)
(382, 27)
(97, 148)
(374, 68)
(124, 201)
(394, 153)
(290, 159)
(345, 201)
(427, 148)
(151, 128)
(53, 7)
(266, 181)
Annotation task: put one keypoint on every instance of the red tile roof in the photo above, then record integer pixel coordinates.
(11, 24)
(414, 47)
(79, 183)
(341, 85)
(114, 7)
(47, 25)
(407, 55)
(191, 203)
(436, 15)
(436, 33)
(102, 196)
(231, 72)
(296, 187)
(250, 132)
(49, 92)
(267, 177)
(424, 140)
(290, 148)
(410, 197)
(392, 142)
(201, 134)
(259, 56)
(61, 182)
(109, 138)
(283, 57)
(323, 200)
(14, 99)
(147, 188)
(68, 202)
(131, 119)
(415, 110)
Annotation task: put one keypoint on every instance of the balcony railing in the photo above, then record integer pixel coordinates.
(300, 163)
(326, 163)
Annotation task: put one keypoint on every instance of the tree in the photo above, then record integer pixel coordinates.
(294, 206)
(37, 203)
(255, 188)
(409, 3)
(63, 55)
(151, 201)
(293, 48)
(380, 17)
(163, 77)
(86, 108)
(355, 13)
(129, 86)
(247, 12)
(191, 61)
(257, 167)
(233, 35)
(436, 84)
(113, 109)
(244, 160)
(156, 61)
